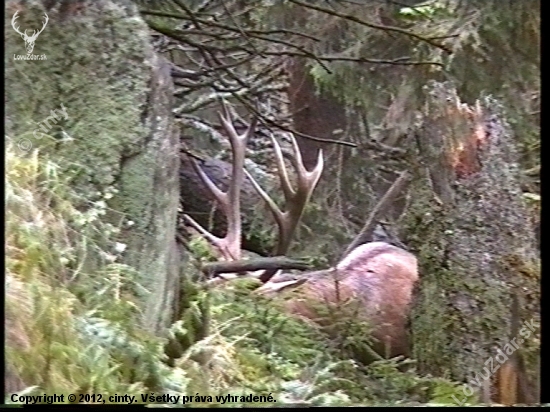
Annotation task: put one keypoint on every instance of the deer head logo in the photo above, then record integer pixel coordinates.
(29, 40)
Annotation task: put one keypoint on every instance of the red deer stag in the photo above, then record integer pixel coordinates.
(378, 276)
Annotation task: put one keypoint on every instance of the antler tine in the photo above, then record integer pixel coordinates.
(306, 180)
(295, 200)
(230, 245)
(277, 213)
(44, 24)
(13, 19)
(288, 191)
(220, 196)
(238, 148)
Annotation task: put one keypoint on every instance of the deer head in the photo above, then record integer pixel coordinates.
(378, 276)
(29, 40)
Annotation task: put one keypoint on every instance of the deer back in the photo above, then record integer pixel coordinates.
(380, 278)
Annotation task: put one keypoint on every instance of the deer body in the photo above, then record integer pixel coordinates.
(377, 277)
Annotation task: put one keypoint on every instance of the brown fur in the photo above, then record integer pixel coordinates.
(377, 275)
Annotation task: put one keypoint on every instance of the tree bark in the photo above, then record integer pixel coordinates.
(315, 113)
(119, 136)
(475, 244)
(243, 266)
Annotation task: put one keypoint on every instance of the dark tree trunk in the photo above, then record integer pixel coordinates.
(315, 114)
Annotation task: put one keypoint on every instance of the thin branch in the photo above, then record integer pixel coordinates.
(229, 28)
(395, 62)
(402, 61)
(396, 188)
(240, 266)
(243, 33)
(357, 20)
(202, 48)
(273, 123)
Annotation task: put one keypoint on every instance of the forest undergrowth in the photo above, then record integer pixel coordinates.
(75, 328)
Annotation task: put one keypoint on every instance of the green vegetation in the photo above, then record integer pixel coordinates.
(93, 273)
(72, 331)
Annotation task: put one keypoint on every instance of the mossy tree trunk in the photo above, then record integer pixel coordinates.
(118, 136)
(476, 246)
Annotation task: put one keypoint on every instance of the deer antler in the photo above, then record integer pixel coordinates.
(43, 26)
(295, 199)
(230, 201)
(34, 32)
(16, 28)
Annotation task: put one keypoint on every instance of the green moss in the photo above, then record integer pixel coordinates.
(467, 273)
(116, 143)
(83, 73)
(70, 331)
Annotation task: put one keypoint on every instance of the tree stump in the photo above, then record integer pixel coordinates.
(470, 229)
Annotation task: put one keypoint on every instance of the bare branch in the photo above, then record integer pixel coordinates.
(396, 188)
(253, 110)
(240, 266)
(357, 20)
